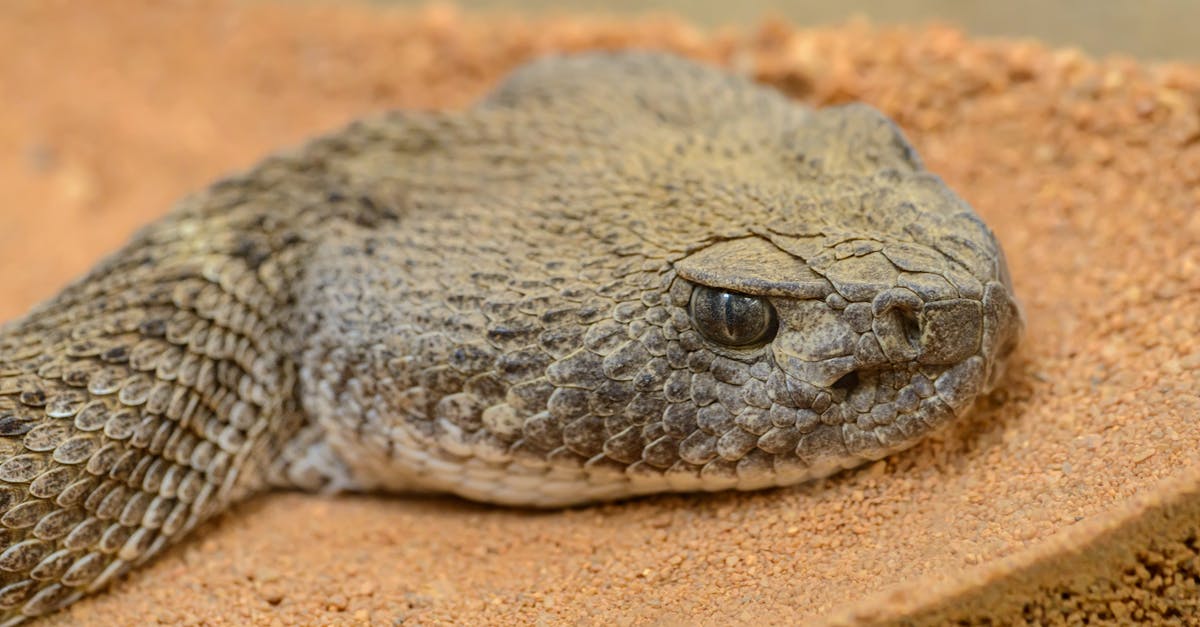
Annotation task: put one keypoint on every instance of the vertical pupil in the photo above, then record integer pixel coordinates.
(738, 320)
(729, 317)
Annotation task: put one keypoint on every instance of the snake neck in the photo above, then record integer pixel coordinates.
(161, 387)
(173, 352)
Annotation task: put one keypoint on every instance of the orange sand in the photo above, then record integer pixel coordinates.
(1089, 172)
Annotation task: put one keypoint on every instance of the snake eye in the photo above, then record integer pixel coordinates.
(730, 318)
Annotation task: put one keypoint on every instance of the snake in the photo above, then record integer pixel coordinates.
(617, 274)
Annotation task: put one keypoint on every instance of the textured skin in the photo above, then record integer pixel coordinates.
(495, 303)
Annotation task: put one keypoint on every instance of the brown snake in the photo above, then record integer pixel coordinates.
(619, 274)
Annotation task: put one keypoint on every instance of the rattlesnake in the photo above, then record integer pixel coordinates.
(618, 274)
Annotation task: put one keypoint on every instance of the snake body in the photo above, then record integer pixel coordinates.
(618, 274)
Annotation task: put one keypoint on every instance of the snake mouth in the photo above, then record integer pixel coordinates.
(866, 412)
(874, 397)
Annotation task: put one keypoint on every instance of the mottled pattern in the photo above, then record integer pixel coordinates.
(495, 303)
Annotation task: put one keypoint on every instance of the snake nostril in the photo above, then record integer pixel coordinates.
(910, 326)
(899, 315)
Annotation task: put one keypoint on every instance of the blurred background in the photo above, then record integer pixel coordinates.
(1146, 29)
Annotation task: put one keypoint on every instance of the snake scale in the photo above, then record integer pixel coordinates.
(616, 275)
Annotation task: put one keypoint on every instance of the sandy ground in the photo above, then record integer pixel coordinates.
(1088, 171)
(1151, 29)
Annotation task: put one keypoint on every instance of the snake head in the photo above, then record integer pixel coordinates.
(624, 274)
(889, 309)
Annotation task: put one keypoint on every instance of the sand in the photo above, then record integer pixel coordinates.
(1070, 494)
